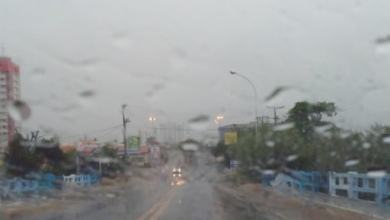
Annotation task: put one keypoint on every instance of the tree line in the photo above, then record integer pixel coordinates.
(25, 155)
(308, 141)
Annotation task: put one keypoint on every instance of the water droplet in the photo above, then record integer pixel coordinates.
(284, 126)
(292, 157)
(120, 40)
(269, 172)
(87, 93)
(19, 110)
(276, 92)
(366, 145)
(110, 195)
(351, 163)
(199, 123)
(386, 140)
(383, 40)
(376, 173)
(345, 134)
(270, 143)
(271, 161)
(220, 159)
(38, 71)
(190, 147)
(322, 129)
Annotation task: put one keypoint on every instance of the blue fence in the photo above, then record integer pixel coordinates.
(351, 185)
(37, 183)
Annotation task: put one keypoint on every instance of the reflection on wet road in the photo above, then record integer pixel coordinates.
(147, 197)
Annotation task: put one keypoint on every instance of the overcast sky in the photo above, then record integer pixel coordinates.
(175, 56)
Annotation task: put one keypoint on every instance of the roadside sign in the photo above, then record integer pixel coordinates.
(133, 142)
(155, 150)
(230, 138)
(234, 164)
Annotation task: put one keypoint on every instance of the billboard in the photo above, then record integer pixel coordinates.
(134, 142)
(230, 138)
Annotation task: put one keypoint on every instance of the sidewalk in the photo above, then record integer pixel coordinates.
(359, 206)
(293, 205)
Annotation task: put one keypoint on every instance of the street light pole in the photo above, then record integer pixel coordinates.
(125, 121)
(153, 119)
(254, 89)
(218, 120)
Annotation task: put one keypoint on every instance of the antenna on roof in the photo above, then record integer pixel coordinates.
(2, 50)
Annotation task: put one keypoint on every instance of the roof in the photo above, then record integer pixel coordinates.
(67, 148)
(6, 65)
(238, 126)
(144, 149)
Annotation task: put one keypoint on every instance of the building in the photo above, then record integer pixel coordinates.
(9, 91)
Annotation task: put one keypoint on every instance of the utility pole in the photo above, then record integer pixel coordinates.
(33, 140)
(125, 121)
(262, 119)
(275, 115)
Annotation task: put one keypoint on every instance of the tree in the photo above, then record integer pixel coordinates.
(306, 116)
(46, 157)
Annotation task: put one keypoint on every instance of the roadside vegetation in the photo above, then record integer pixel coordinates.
(307, 140)
(45, 156)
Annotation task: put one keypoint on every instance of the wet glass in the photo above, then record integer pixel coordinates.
(270, 109)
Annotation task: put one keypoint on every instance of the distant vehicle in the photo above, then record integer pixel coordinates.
(176, 176)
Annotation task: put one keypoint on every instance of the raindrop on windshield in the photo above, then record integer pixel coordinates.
(87, 93)
(282, 127)
(366, 145)
(376, 173)
(351, 163)
(269, 172)
(386, 140)
(190, 147)
(270, 143)
(322, 129)
(292, 157)
(199, 122)
(19, 110)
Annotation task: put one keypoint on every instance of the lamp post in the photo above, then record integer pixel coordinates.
(218, 120)
(153, 119)
(125, 121)
(254, 90)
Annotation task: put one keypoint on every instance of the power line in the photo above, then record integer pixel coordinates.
(174, 112)
(91, 132)
(275, 115)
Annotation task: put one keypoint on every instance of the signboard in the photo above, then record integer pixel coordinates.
(155, 151)
(234, 164)
(134, 142)
(230, 138)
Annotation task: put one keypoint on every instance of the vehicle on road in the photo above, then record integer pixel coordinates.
(176, 176)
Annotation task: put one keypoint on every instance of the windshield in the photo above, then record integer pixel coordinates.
(270, 109)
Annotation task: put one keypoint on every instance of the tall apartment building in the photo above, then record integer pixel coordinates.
(9, 91)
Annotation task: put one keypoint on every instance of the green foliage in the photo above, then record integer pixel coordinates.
(329, 149)
(107, 151)
(306, 116)
(20, 160)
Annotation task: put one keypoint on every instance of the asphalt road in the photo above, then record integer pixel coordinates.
(149, 197)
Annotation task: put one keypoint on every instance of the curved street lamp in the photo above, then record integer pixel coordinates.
(153, 119)
(254, 89)
(218, 120)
